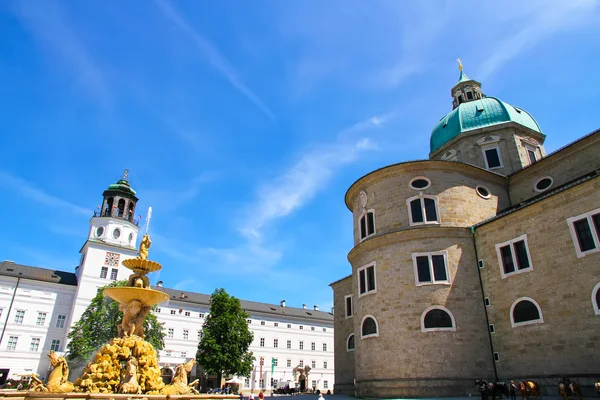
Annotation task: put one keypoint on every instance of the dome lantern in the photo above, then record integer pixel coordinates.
(466, 89)
(119, 200)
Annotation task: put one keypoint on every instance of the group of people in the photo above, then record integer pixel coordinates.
(261, 396)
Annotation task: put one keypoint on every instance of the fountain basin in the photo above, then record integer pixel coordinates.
(124, 295)
(141, 266)
(24, 395)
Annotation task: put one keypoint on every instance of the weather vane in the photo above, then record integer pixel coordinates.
(125, 174)
(459, 63)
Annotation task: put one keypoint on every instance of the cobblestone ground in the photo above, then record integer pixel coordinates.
(346, 397)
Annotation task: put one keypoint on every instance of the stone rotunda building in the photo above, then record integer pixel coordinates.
(481, 262)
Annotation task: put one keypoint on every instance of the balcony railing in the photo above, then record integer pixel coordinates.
(117, 214)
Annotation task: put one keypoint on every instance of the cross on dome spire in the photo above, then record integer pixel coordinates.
(125, 174)
(466, 89)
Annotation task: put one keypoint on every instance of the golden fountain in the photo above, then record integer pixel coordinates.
(127, 364)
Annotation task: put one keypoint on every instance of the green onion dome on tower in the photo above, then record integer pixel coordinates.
(473, 110)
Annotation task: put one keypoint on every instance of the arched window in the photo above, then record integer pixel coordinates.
(423, 210)
(121, 208)
(596, 298)
(437, 318)
(369, 327)
(366, 224)
(109, 205)
(525, 311)
(350, 342)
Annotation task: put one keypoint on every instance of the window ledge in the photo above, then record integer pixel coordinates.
(534, 322)
(434, 283)
(521, 271)
(373, 335)
(453, 329)
(367, 293)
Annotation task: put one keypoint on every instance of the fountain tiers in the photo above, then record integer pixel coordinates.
(127, 365)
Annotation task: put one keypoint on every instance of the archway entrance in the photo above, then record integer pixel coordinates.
(302, 385)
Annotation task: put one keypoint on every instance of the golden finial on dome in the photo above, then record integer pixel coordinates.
(459, 63)
(125, 174)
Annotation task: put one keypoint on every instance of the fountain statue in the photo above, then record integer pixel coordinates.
(127, 364)
(57, 381)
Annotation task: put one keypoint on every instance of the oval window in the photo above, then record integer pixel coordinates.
(117, 233)
(99, 231)
(483, 192)
(419, 183)
(130, 237)
(543, 184)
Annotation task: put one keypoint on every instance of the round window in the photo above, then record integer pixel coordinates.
(130, 237)
(117, 233)
(99, 231)
(483, 192)
(419, 183)
(543, 184)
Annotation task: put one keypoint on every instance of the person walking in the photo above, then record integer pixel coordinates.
(512, 389)
(321, 397)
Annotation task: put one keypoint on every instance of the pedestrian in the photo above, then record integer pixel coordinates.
(321, 397)
(261, 395)
(512, 389)
(251, 396)
(241, 396)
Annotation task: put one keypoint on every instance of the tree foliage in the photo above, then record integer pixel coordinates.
(223, 348)
(98, 324)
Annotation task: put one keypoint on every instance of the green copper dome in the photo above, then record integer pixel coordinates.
(475, 114)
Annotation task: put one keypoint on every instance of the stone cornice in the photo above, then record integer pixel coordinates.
(424, 166)
(408, 234)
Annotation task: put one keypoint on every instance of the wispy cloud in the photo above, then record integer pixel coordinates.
(49, 24)
(212, 55)
(164, 199)
(29, 191)
(310, 174)
(543, 21)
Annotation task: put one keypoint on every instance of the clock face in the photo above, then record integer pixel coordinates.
(99, 231)
(117, 233)
(112, 259)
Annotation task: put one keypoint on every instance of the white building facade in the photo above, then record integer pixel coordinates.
(37, 307)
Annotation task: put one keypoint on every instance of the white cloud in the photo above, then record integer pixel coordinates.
(164, 199)
(213, 56)
(49, 24)
(29, 191)
(541, 21)
(300, 183)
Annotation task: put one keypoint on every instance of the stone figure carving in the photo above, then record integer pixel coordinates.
(144, 247)
(130, 383)
(363, 199)
(134, 314)
(179, 384)
(138, 280)
(36, 384)
(57, 380)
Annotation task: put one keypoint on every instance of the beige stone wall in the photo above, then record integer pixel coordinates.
(343, 327)
(564, 166)
(568, 340)
(403, 359)
(512, 151)
(452, 183)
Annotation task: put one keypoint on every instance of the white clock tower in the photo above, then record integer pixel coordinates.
(111, 239)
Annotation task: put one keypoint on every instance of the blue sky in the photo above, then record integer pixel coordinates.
(244, 122)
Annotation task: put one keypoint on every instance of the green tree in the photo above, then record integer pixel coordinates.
(98, 325)
(223, 348)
